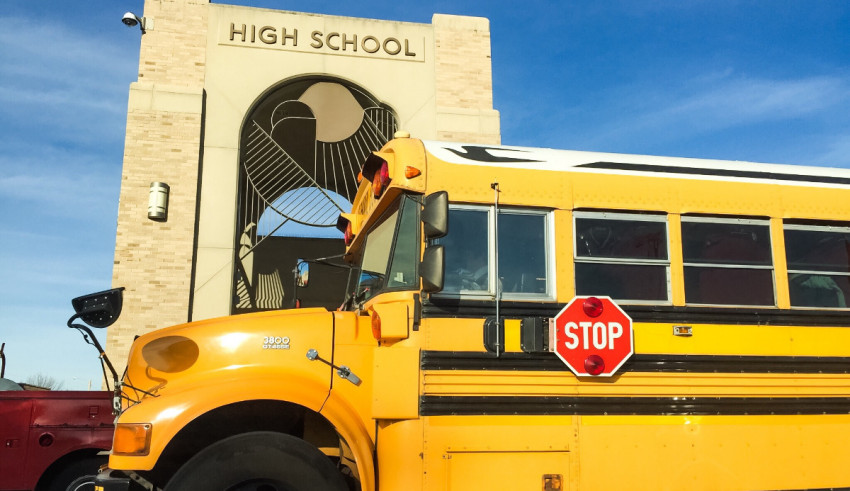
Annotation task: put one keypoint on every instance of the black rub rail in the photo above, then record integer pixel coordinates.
(473, 360)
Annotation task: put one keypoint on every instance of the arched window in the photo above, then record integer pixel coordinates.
(301, 148)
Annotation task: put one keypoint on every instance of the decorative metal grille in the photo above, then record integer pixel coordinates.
(292, 183)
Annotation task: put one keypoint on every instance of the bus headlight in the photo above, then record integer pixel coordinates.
(170, 354)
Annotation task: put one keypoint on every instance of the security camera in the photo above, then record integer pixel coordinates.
(130, 19)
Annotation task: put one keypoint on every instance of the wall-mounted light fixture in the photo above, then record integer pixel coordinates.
(158, 201)
(130, 19)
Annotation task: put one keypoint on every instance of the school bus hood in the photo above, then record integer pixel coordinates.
(226, 348)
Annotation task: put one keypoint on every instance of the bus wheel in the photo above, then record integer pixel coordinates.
(83, 483)
(77, 475)
(259, 461)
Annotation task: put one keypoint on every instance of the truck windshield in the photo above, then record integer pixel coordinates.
(391, 251)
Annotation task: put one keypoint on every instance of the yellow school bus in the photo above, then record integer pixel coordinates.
(440, 369)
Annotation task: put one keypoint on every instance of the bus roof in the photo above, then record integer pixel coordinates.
(644, 165)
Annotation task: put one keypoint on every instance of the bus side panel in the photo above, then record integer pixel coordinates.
(400, 454)
(498, 452)
(714, 452)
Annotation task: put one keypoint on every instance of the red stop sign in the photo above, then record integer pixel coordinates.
(593, 336)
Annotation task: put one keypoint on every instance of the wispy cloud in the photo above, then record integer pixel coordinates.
(51, 90)
(704, 105)
(58, 190)
(738, 101)
(642, 116)
(836, 152)
(63, 93)
(47, 50)
(42, 180)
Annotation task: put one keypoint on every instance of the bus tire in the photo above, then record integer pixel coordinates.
(258, 461)
(77, 475)
(82, 483)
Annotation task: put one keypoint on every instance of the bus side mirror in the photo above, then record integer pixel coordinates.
(99, 309)
(433, 268)
(302, 274)
(435, 215)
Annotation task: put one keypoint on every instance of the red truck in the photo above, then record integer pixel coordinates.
(57, 440)
(51, 439)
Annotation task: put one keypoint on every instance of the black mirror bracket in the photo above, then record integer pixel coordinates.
(98, 310)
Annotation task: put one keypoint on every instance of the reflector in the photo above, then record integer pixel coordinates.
(376, 325)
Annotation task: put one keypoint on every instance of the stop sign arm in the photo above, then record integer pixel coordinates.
(593, 336)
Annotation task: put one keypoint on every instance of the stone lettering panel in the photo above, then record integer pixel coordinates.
(290, 33)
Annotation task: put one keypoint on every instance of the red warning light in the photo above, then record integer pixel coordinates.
(594, 364)
(381, 180)
(592, 307)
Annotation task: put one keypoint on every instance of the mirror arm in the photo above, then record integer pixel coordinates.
(325, 262)
(90, 337)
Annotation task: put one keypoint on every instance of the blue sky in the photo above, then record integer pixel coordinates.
(765, 81)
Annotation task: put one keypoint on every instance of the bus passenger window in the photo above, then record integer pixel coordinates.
(818, 258)
(727, 261)
(522, 252)
(524, 256)
(622, 255)
(467, 263)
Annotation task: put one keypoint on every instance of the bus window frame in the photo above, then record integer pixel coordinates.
(396, 207)
(812, 228)
(657, 217)
(549, 255)
(758, 221)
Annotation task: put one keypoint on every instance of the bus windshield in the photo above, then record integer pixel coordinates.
(391, 251)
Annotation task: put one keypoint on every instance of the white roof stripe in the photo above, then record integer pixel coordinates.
(685, 168)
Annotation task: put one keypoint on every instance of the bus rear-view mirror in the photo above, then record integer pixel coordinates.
(435, 215)
(302, 274)
(99, 309)
(433, 268)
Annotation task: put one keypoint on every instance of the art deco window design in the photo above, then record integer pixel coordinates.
(301, 149)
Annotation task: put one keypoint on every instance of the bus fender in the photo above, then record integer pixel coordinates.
(173, 411)
(352, 428)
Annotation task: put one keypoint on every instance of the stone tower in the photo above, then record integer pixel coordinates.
(204, 69)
